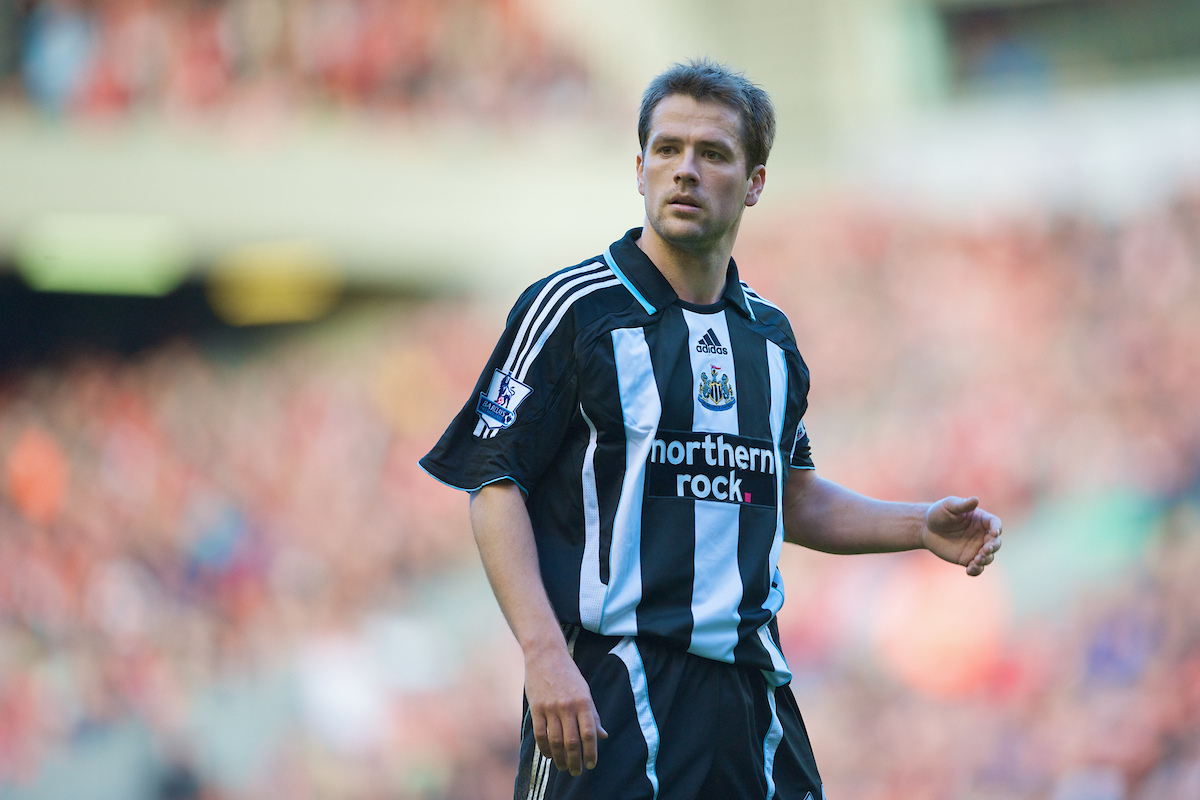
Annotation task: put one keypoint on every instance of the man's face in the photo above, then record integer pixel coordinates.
(693, 173)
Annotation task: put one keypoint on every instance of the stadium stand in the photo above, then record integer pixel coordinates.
(217, 514)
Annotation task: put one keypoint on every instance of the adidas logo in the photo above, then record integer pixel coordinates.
(709, 343)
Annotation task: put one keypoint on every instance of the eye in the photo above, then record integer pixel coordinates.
(713, 155)
(666, 149)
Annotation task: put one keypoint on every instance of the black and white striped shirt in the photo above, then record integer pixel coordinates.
(652, 438)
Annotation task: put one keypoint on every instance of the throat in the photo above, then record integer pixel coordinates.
(697, 277)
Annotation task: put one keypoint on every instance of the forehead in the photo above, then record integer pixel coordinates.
(684, 117)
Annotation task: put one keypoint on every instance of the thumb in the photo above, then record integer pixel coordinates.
(960, 505)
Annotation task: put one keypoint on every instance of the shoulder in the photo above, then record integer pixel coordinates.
(562, 289)
(768, 313)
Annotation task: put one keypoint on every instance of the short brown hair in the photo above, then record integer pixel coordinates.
(707, 81)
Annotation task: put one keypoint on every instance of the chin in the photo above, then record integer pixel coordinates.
(685, 237)
(680, 232)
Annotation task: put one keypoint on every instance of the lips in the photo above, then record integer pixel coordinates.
(683, 200)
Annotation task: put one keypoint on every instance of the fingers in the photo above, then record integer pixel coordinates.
(985, 556)
(573, 746)
(554, 735)
(588, 724)
(540, 734)
(582, 752)
(569, 739)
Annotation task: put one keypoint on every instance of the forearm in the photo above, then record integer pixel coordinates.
(504, 535)
(822, 515)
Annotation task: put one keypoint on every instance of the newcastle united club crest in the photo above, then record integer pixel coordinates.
(498, 406)
(716, 392)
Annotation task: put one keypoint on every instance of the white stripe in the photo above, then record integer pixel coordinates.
(756, 296)
(528, 358)
(703, 418)
(641, 410)
(571, 641)
(545, 781)
(539, 305)
(771, 743)
(781, 674)
(544, 777)
(627, 651)
(535, 771)
(717, 584)
(717, 581)
(529, 354)
(778, 371)
(591, 589)
(777, 367)
(546, 309)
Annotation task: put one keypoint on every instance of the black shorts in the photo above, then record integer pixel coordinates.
(680, 727)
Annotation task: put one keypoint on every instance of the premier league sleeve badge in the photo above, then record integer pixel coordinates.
(498, 406)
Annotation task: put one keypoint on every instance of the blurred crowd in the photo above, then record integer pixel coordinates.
(484, 59)
(1102, 703)
(194, 515)
(173, 522)
(1012, 358)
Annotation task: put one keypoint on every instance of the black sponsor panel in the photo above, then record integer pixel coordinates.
(712, 466)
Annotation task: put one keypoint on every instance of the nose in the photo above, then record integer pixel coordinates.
(685, 168)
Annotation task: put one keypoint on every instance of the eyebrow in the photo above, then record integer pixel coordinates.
(671, 139)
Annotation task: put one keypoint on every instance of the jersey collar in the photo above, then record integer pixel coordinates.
(643, 280)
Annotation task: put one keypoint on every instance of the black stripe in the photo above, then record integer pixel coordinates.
(757, 523)
(567, 298)
(533, 311)
(669, 526)
(603, 404)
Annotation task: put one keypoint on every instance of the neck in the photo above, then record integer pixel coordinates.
(697, 276)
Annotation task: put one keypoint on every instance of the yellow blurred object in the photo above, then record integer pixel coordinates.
(273, 283)
(103, 254)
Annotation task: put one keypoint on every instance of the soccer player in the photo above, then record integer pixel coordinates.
(636, 457)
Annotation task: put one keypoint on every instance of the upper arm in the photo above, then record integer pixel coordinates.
(799, 484)
(499, 503)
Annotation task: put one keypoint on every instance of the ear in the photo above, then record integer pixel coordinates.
(641, 178)
(755, 183)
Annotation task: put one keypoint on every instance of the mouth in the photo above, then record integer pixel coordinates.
(684, 201)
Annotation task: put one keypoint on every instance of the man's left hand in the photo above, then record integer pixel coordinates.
(961, 532)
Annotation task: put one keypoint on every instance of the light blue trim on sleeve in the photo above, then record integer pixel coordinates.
(612, 264)
(524, 491)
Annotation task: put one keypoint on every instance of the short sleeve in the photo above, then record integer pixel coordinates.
(801, 449)
(519, 411)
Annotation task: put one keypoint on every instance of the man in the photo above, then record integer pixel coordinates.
(636, 457)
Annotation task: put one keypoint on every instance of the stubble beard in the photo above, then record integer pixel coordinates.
(693, 239)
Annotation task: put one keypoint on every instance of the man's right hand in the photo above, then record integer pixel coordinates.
(565, 722)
